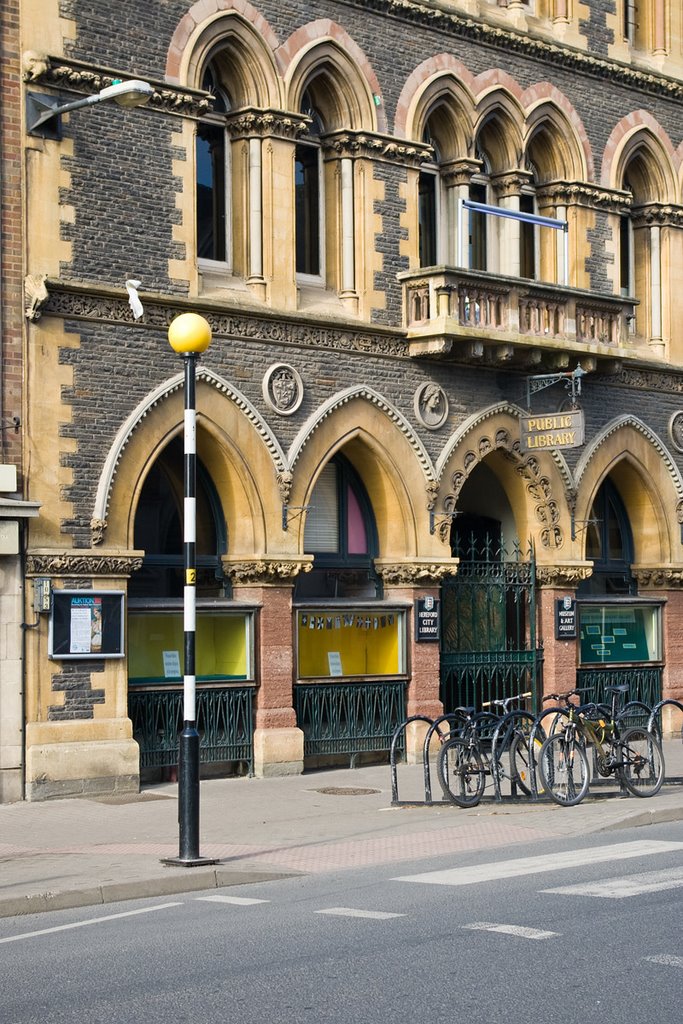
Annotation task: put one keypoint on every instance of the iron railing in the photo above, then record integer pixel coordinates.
(224, 724)
(348, 718)
(645, 685)
(471, 678)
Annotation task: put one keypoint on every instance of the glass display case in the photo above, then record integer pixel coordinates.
(620, 632)
(354, 641)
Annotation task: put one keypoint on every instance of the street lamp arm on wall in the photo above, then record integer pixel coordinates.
(41, 109)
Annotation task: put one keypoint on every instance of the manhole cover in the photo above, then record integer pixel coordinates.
(346, 791)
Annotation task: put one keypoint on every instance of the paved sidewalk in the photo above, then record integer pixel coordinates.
(69, 853)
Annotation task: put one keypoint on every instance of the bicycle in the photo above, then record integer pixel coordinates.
(635, 757)
(477, 750)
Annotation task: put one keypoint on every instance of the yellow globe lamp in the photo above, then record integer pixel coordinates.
(189, 332)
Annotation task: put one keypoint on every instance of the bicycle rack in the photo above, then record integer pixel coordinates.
(433, 727)
(658, 707)
(392, 754)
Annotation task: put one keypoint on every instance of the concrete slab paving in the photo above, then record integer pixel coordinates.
(79, 852)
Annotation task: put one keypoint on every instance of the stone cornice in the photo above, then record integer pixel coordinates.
(645, 380)
(89, 79)
(82, 563)
(270, 572)
(415, 573)
(80, 301)
(512, 42)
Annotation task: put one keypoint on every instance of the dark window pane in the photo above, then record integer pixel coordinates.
(427, 219)
(210, 157)
(307, 200)
(477, 229)
(527, 247)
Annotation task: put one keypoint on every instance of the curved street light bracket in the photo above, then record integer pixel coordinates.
(43, 112)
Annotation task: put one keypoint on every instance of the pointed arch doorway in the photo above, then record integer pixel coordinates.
(489, 647)
(224, 633)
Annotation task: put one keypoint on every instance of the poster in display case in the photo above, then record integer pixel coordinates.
(86, 624)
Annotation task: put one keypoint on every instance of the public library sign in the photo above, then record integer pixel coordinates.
(552, 430)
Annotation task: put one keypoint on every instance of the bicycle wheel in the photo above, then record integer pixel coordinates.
(563, 768)
(520, 761)
(460, 771)
(642, 769)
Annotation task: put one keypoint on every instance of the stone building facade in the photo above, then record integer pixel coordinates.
(407, 223)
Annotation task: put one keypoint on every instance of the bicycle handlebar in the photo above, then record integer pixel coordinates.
(506, 701)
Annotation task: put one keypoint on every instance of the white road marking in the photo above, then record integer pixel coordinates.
(510, 929)
(667, 959)
(629, 885)
(378, 915)
(239, 901)
(93, 920)
(535, 865)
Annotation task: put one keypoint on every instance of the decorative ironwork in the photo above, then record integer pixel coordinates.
(224, 722)
(348, 718)
(488, 630)
(645, 684)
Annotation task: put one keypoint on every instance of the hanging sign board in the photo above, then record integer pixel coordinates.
(427, 620)
(552, 430)
(565, 618)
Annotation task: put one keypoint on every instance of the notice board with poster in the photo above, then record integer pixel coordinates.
(86, 624)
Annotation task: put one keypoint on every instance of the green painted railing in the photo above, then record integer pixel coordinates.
(348, 718)
(645, 684)
(224, 723)
(471, 678)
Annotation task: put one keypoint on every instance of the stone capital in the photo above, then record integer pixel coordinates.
(269, 572)
(428, 572)
(658, 577)
(569, 574)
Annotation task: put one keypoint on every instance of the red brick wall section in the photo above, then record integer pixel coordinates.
(560, 656)
(673, 652)
(423, 661)
(275, 655)
(11, 274)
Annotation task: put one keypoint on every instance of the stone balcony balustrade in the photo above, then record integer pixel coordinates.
(471, 315)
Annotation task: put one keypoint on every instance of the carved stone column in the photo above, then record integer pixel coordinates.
(456, 177)
(560, 657)
(406, 582)
(268, 583)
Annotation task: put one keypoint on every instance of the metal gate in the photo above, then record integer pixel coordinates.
(488, 626)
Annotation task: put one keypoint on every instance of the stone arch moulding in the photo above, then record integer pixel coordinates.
(544, 102)
(361, 391)
(325, 41)
(440, 76)
(496, 430)
(643, 452)
(130, 426)
(203, 27)
(401, 488)
(639, 130)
